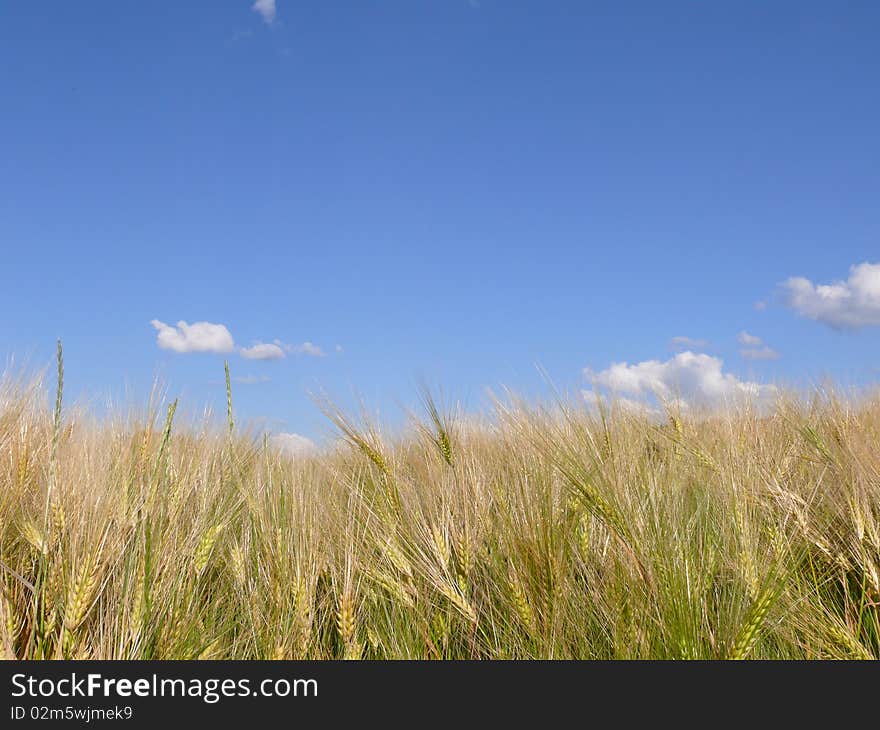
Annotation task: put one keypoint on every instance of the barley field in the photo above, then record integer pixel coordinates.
(546, 530)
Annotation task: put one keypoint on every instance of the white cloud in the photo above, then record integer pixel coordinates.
(747, 340)
(294, 444)
(681, 342)
(266, 9)
(264, 351)
(754, 348)
(307, 348)
(759, 353)
(277, 350)
(195, 337)
(846, 304)
(694, 378)
(630, 405)
(210, 337)
(760, 305)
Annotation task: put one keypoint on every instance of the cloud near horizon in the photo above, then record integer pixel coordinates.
(695, 379)
(195, 337)
(849, 304)
(293, 444)
(630, 405)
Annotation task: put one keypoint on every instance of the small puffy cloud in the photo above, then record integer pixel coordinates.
(195, 337)
(339, 349)
(264, 351)
(760, 305)
(681, 342)
(754, 348)
(266, 9)
(293, 444)
(696, 379)
(747, 340)
(849, 304)
(307, 348)
(277, 350)
(759, 353)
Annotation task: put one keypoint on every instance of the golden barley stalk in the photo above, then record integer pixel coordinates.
(373, 638)
(56, 424)
(393, 585)
(303, 615)
(237, 565)
(53, 592)
(58, 522)
(373, 455)
(212, 650)
(9, 619)
(205, 547)
(520, 602)
(463, 554)
(35, 537)
(440, 544)
(173, 637)
(347, 627)
(145, 447)
(455, 595)
(23, 463)
(345, 621)
(353, 651)
(83, 590)
(396, 556)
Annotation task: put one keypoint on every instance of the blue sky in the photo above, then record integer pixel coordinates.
(441, 189)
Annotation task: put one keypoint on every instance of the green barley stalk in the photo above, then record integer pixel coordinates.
(442, 439)
(774, 585)
(228, 398)
(166, 437)
(750, 630)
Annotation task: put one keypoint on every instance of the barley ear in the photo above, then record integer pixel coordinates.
(205, 548)
(56, 428)
(166, 437)
(229, 419)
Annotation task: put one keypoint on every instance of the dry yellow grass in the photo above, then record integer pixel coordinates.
(552, 532)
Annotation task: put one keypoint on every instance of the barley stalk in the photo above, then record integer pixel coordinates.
(205, 548)
(749, 632)
(520, 602)
(83, 591)
(229, 419)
